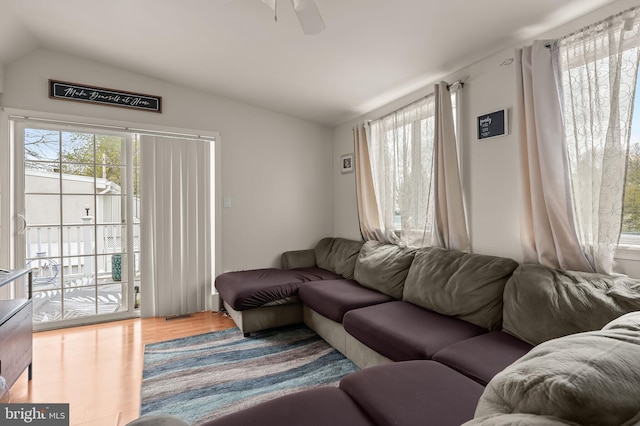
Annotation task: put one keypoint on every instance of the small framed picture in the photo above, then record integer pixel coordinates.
(493, 124)
(346, 163)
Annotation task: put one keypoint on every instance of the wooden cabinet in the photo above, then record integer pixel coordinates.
(16, 329)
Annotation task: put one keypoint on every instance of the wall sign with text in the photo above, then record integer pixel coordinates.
(493, 124)
(102, 96)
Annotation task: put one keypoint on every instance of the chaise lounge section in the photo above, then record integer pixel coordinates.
(431, 328)
(265, 298)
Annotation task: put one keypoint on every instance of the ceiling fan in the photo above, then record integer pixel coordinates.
(307, 12)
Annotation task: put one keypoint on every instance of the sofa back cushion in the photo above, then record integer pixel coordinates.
(586, 378)
(383, 267)
(541, 303)
(338, 255)
(467, 286)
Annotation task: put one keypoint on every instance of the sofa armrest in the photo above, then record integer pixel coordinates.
(298, 259)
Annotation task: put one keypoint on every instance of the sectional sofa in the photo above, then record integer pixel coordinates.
(443, 336)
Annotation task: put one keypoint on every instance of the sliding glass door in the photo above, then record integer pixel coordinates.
(79, 207)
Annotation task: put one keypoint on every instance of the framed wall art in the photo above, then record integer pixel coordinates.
(346, 163)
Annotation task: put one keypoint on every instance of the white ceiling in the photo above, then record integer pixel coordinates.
(371, 52)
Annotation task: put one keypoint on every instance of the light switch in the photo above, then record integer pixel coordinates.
(226, 202)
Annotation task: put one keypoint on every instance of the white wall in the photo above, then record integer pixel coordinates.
(490, 167)
(275, 168)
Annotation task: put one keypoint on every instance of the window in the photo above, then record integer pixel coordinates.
(598, 70)
(401, 148)
(631, 212)
(81, 211)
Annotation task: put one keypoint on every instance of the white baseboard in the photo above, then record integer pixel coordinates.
(216, 302)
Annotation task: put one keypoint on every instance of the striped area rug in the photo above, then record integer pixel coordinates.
(203, 377)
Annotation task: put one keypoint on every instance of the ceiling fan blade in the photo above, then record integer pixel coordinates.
(308, 16)
(270, 3)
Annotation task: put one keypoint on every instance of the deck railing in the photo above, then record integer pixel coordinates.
(76, 247)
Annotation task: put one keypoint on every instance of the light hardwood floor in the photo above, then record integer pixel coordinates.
(97, 369)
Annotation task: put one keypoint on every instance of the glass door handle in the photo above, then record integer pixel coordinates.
(23, 222)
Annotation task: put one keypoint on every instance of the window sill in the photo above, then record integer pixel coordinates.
(628, 252)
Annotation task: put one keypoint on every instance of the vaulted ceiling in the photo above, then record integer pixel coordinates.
(371, 52)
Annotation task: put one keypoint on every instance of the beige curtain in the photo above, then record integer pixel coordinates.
(450, 219)
(548, 234)
(408, 178)
(576, 100)
(176, 229)
(365, 193)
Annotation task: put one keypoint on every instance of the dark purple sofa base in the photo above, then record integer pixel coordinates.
(420, 393)
(441, 363)
(414, 393)
(482, 357)
(256, 288)
(334, 298)
(315, 407)
(402, 331)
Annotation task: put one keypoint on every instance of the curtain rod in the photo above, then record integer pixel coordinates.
(114, 128)
(587, 27)
(456, 84)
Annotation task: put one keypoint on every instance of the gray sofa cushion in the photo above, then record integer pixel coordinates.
(587, 378)
(338, 255)
(629, 322)
(298, 259)
(463, 285)
(518, 419)
(542, 303)
(383, 267)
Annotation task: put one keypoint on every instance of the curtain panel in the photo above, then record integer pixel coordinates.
(547, 229)
(407, 176)
(176, 229)
(576, 99)
(370, 227)
(598, 75)
(450, 219)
